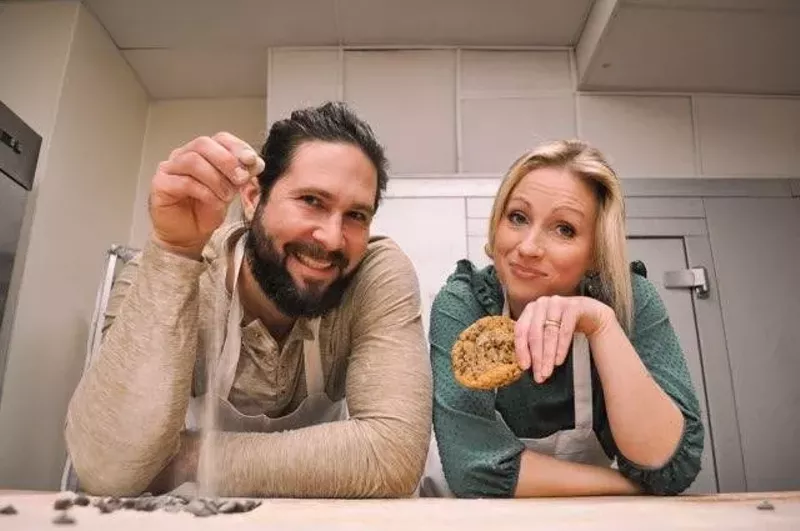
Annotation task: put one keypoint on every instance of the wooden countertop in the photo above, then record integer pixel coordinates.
(722, 512)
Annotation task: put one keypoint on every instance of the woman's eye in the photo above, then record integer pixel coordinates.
(565, 230)
(517, 218)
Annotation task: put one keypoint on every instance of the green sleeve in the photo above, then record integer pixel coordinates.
(657, 345)
(480, 455)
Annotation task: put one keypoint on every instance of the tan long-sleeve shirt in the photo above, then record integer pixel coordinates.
(167, 312)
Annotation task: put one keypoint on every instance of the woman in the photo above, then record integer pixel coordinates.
(605, 377)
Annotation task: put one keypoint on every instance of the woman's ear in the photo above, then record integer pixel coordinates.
(250, 194)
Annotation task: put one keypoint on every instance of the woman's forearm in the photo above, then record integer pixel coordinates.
(646, 424)
(542, 476)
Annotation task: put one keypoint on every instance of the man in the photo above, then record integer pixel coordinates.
(310, 330)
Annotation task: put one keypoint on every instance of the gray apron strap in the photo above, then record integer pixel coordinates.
(312, 360)
(582, 381)
(225, 368)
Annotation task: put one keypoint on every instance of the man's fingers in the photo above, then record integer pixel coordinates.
(191, 163)
(246, 155)
(181, 186)
(222, 158)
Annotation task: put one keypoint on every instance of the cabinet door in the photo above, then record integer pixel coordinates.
(756, 246)
(660, 255)
(432, 233)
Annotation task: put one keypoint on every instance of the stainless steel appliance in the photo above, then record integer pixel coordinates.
(19, 154)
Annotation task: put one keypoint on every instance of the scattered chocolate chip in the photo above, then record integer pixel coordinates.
(8, 510)
(146, 504)
(63, 519)
(249, 505)
(103, 506)
(765, 506)
(62, 504)
(230, 506)
(198, 507)
(81, 500)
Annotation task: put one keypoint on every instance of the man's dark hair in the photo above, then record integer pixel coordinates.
(330, 122)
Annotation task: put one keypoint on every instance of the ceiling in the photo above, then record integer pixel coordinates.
(211, 48)
(217, 48)
(740, 46)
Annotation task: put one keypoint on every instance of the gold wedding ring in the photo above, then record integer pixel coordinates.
(552, 322)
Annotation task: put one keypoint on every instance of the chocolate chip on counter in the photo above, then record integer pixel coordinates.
(64, 501)
(128, 503)
(146, 505)
(8, 510)
(230, 506)
(62, 504)
(63, 519)
(765, 506)
(198, 507)
(81, 500)
(249, 505)
(104, 506)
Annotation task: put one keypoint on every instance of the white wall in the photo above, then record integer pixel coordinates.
(454, 120)
(451, 111)
(72, 85)
(172, 123)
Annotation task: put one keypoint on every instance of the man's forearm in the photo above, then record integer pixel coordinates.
(543, 476)
(346, 459)
(125, 418)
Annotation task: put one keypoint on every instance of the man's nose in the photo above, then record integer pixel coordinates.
(329, 233)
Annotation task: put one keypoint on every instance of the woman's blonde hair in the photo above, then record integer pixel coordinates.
(610, 259)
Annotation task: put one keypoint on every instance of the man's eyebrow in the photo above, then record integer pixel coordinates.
(362, 207)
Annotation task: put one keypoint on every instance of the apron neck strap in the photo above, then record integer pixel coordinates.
(312, 360)
(225, 368)
(582, 381)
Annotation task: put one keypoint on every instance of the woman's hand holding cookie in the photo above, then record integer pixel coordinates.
(544, 330)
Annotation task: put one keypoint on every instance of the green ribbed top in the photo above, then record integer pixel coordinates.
(481, 455)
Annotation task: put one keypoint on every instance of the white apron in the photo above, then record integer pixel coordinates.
(316, 408)
(579, 445)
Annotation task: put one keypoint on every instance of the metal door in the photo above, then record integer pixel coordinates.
(661, 255)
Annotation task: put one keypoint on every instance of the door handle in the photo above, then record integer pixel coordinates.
(695, 278)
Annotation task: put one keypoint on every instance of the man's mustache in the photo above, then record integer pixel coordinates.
(317, 252)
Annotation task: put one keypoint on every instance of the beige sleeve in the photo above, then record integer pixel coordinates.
(381, 450)
(124, 420)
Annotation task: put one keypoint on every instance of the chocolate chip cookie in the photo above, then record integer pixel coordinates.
(483, 356)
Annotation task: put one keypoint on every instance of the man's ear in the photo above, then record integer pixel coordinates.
(250, 194)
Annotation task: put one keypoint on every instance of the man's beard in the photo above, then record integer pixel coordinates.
(269, 270)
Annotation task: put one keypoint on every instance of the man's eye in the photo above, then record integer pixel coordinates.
(358, 216)
(311, 200)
